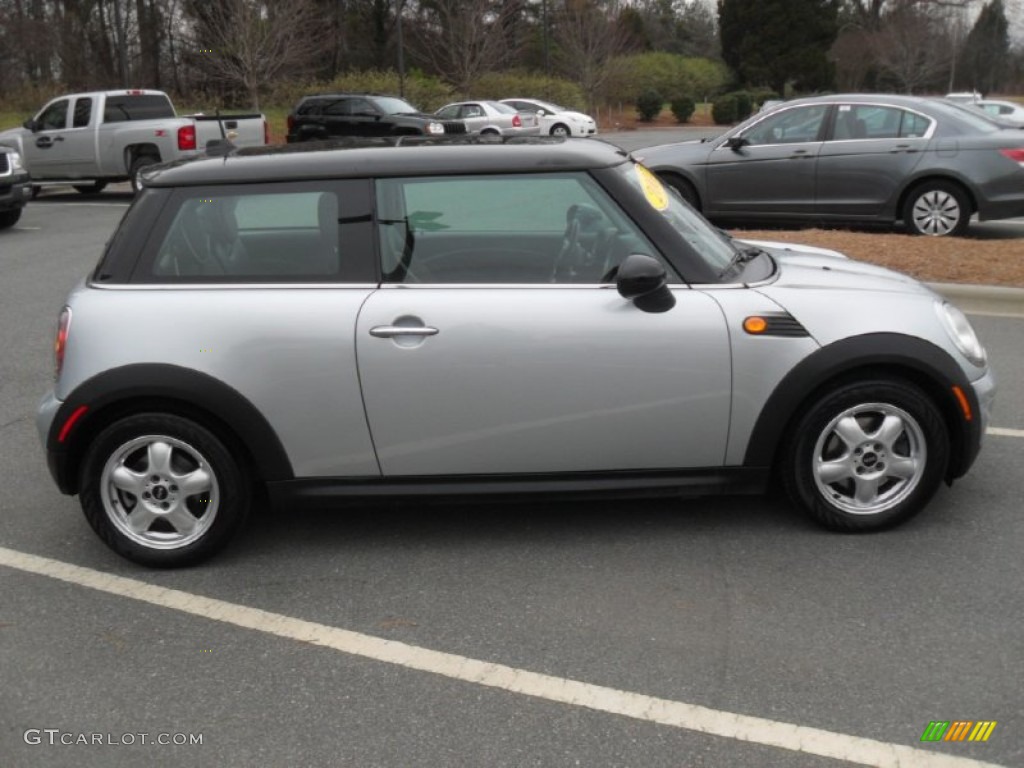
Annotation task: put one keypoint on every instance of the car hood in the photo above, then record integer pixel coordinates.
(817, 272)
(12, 137)
(672, 153)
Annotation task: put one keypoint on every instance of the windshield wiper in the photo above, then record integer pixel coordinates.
(742, 256)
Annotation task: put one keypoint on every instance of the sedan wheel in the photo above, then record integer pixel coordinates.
(867, 456)
(560, 130)
(937, 209)
(162, 490)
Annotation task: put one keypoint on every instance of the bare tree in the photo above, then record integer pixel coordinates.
(463, 39)
(589, 38)
(909, 48)
(250, 43)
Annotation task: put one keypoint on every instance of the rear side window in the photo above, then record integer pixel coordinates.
(303, 234)
(119, 109)
(83, 110)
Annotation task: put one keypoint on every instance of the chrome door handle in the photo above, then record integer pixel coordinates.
(390, 331)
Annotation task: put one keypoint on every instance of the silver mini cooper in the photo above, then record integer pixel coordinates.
(539, 316)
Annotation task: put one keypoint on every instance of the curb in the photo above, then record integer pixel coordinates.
(983, 299)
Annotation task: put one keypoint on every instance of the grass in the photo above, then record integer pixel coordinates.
(13, 119)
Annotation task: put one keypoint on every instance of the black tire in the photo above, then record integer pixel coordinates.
(685, 189)
(559, 129)
(138, 164)
(896, 470)
(133, 490)
(9, 218)
(90, 189)
(937, 209)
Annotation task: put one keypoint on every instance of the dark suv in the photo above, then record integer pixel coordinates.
(357, 114)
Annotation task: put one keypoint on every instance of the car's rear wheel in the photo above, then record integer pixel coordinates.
(9, 218)
(558, 129)
(685, 189)
(90, 189)
(866, 455)
(937, 209)
(162, 490)
(139, 164)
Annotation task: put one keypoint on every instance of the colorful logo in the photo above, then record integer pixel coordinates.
(958, 730)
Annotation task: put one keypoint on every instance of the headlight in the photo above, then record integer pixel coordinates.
(16, 163)
(435, 129)
(961, 333)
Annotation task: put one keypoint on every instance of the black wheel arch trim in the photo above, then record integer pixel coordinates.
(882, 355)
(139, 387)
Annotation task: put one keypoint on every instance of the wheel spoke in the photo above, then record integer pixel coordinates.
(124, 479)
(141, 519)
(867, 490)
(903, 468)
(849, 429)
(181, 520)
(835, 471)
(890, 431)
(197, 481)
(158, 453)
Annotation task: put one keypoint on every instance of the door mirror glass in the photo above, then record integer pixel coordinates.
(643, 280)
(31, 125)
(736, 142)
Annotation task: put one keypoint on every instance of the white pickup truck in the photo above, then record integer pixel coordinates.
(91, 139)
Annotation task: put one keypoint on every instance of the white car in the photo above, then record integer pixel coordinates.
(556, 120)
(1004, 110)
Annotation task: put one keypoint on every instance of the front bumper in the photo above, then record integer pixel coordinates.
(984, 394)
(15, 191)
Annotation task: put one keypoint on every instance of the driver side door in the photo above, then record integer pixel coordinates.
(497, 343)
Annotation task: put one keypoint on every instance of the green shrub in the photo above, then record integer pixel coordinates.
(526, 85)
(682, 108)
(760, 97)
(668, 73)
(648, 105)
(744, 105)
(723, 109)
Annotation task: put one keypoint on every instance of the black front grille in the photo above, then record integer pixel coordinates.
(4, 163)
(454, 126)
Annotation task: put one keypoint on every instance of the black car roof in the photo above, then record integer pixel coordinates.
(406, 156)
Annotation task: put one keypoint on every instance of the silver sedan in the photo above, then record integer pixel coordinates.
(491, 118)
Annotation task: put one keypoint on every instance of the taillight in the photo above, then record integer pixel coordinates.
(266, 133)
(187, 137)
(60, 343)
(517, 121)
(1017, 155)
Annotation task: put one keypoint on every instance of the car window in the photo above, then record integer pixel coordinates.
(292, 234)
(133, 106)
(914, 126)
(866, 121)
(54, 116)
(339, 107)
(505, 109)
(449, 113)
(472, 110)
(83, 111)
(511, 229)
(790, 126)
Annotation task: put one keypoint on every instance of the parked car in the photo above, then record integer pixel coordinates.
(491, 118)
(854, 158)
(91, 139)
(534, 316)
(15, 189)
(556, 120)
(330, 115)
(1004, 110)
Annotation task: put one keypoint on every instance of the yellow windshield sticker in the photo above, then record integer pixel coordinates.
(654, 190)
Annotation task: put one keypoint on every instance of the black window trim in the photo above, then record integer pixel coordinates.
(355, 209)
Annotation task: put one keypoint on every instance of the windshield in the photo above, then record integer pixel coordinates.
(395, 106)
(709, 242)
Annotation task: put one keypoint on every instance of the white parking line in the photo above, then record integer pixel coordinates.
(677, 714)
(1004, 432)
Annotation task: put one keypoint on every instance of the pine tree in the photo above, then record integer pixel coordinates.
(775, 42)
(986, 50)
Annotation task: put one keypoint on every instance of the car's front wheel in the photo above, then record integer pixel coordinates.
(558, 129)
(938, 209)
(866, 455)
(162, 490)
(9, 218)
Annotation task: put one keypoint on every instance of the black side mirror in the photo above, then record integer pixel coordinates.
(643, 280)
(736, 143)
(31, 125)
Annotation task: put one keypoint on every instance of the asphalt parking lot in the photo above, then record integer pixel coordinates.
(715, 632)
